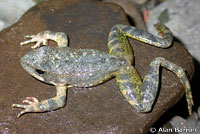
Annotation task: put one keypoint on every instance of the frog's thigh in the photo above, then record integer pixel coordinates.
(130, 83)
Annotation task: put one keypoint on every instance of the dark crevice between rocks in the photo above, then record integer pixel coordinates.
(130, 20)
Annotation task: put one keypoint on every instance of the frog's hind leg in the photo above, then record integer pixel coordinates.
(47, 105)
(118, 43)
(142, 95)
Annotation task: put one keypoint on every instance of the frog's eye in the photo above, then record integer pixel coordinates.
(39, 71)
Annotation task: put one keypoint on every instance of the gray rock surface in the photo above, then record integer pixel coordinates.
(186, 126)
(182, 17)
(12, 10)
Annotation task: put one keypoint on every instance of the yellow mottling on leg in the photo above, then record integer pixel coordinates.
(124, 92)
(122, 81)
(114, 47)
(131, 102)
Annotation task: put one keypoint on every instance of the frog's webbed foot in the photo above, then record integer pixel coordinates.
(31, 101)
(38, 38)
(47, 105)
(43, 37)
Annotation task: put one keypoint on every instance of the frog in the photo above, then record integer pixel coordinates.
(66, 67)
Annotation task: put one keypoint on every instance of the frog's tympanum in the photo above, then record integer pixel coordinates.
(65, 67)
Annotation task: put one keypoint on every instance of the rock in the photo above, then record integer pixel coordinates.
(129, 6)
(12, 10)
(139, 2)
(189, 125)
(182, 17)
(99, 110)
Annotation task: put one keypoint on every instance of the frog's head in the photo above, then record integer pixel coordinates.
(34, 62)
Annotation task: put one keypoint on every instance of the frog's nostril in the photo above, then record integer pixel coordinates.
(39, 71)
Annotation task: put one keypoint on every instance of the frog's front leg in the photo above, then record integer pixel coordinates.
(47, 105)
(141, 95)
(42, 38)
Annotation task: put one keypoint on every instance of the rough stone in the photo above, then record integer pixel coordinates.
(129, 6)
(97, 110)
(182, 17)
(185, 126)
(12, 10)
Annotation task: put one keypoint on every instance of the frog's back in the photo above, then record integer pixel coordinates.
(80, 67)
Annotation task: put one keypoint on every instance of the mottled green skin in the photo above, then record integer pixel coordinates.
(65, 67)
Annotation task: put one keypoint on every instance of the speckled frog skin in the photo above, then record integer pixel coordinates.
(65, 67)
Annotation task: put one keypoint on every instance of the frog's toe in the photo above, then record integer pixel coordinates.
(20, 106)
(40, 40)
(22, 112)
(27, 108)
(29, 36)
(31, 100)
(26, 42)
